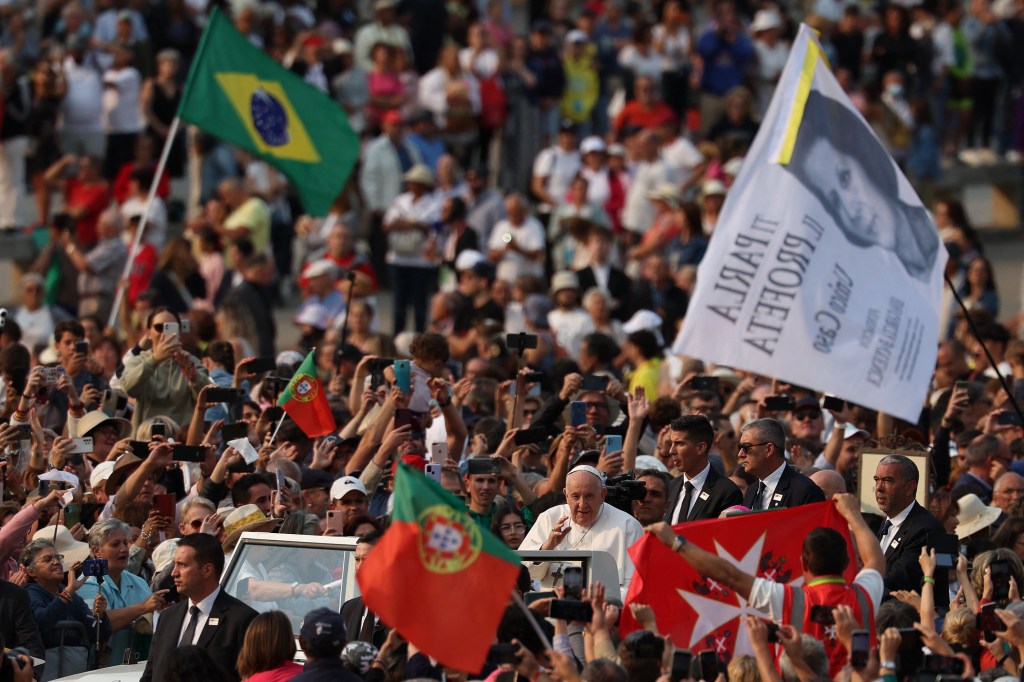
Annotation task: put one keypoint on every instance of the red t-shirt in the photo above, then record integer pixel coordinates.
(141, 271)
(124, 177)
(636, 115)
(93, 199)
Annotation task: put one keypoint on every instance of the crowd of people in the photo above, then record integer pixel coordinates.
(537, 185)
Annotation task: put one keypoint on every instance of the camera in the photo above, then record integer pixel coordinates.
(623, 490)
(94, 568)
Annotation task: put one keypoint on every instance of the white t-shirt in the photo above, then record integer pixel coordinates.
(121, 100)
(569, 327)
(156, 223)
(82, 106)
(36, 325)
(682, 158)
(599, 190)
(768, 596)
(558, 167)
(675, 49)
(649, 64)
(530, 237)
(484, 65)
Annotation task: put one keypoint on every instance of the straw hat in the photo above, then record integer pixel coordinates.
(668, 193)
(420, 174)
(247, 518)
(974, 515)
(124, 466)
(97, 418)
(66, 544)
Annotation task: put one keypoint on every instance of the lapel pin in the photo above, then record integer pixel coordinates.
(213, 621)
(704, 496)
(895, 544)
(777, 497)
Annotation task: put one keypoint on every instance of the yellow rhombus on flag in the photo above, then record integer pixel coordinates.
(238, 93)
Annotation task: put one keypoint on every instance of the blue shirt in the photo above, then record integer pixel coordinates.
(430, 150)
(725, 63)
(133, 590)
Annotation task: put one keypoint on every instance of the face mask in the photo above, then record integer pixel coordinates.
(895, 90)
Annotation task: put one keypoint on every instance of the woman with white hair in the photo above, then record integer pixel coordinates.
(599, 306)
(128, 596)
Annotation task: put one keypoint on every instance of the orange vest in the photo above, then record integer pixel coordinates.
(831, 591)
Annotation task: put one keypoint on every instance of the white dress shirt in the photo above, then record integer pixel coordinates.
(896, 522)
(698, 484)
(205, 607)
(771, 482)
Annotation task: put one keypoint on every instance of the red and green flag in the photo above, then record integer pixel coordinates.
(437, 577)
(305, 400)
(238, 93)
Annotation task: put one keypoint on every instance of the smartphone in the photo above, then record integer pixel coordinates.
(186, 325)
(81, 446)
(531, 436)
(822, 615)
(72, 515)
(50, 375)
(1000, 569)
(502, 653)
(779, 403)
(577, 413)
(257, 365)
(942, 665)
(571, 610)
(708, 665)
(773, 632)
(405, 417)
(114, 403)
(439, 452)
(594, 382)
(273, 413)
(336, 520)
(833, 403)
(860, 649)
(946, 546)
(223, 395)
(521, 341)
(158, 429)
(94, 568)
(530, 597)
(910, 640)
(170, 329)
(403, 379)
(572, 582)
(140, 448)
(612, 442)
(234, 431)
(433, 472)
(682, 661)
(704, 383)
(483, 465)
(962, 385)
(188, 453)
(81, 347)
(988, 622)
(534, 377)
(164, 504)
(1009, 419)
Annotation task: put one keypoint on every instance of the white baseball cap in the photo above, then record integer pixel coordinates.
(343, 486)
(100, 474)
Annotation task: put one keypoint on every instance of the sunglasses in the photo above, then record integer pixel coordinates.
(745, 447)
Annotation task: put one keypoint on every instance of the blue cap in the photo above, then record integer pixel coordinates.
(323, 629)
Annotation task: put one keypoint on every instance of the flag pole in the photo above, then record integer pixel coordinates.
(160, 166)
(532, 619)
(278, 427)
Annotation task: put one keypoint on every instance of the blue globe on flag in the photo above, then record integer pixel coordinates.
(269, 118)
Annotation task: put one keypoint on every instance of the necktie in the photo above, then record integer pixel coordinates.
(190, 631)
(886, 527)
(684, 508)
(759, 496)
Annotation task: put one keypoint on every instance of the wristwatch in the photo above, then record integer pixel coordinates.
(678, 543)
(888, 665)
(294, 585)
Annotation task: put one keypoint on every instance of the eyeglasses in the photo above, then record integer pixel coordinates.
(196, 524)
(804, 416)
(745, 447)
(508, 528)
(596, 405)
(50, 559)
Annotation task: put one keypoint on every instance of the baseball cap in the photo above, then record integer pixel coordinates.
(807, 402)
(359, 656)
(323, 629)
(343, 486)
(590, 144)
(316, 478)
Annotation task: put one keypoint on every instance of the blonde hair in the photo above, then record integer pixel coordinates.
(743, 669)
(960, 627)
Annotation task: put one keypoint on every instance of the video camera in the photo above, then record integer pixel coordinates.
(623, 490)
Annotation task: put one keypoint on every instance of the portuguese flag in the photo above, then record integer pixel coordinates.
(238, 93)
(305, 400)
(436, 577)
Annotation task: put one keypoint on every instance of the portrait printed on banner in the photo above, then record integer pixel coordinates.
(837, 158)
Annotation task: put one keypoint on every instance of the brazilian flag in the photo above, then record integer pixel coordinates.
(238, 93)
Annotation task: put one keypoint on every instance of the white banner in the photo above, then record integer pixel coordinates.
(824, 270)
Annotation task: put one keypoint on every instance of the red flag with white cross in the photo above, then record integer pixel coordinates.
(697, 611)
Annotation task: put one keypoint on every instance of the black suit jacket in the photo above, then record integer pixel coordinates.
(794, 489)
(902, 571)
(620, 286)
(721, 494)
(352, 612)
(17, 624)
(221, 639)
